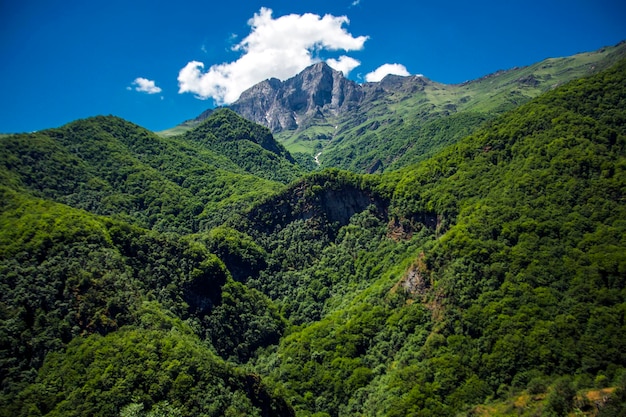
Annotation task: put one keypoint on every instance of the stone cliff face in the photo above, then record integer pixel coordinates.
(317, 92)
(332, 206)
(327, 204)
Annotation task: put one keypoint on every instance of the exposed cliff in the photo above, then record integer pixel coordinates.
(318, 92)
(328, 200)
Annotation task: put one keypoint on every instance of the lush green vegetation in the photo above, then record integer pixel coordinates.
(414, 123)
(520, 281)
(163, 370)
(68, 274)
(118, 295)
(400, 143)
(247, 144)
(109, 166)
(147, 276)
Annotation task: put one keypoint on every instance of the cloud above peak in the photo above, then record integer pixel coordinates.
(344, 64)
(386, 69)
(144, 85)
(279, 48)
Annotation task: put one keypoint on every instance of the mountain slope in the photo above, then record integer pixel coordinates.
(109, 166)
(495, 267)
(374, 127)
(405, 125)
(521, 280)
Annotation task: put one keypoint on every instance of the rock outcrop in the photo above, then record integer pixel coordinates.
(316, 93)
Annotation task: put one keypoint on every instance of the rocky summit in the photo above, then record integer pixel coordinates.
(313, 95)
(316, 92)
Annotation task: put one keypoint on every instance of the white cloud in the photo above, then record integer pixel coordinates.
(144, 85)
(344, 64)
(386, 69)
(279, 48)
(355, 3)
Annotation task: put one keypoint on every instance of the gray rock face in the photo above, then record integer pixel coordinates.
(314, 95)
(317, 92)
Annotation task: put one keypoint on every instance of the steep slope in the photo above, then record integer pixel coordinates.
(520, 281)
(109, 166)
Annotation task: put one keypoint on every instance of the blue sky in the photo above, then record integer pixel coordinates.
(158, 63)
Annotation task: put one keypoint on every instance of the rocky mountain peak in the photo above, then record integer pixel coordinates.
(317, 92)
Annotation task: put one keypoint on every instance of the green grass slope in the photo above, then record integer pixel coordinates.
(417, 121)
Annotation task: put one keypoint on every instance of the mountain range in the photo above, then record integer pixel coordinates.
(377, 126)
(460, 250)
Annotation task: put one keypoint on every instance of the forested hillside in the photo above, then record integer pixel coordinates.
(73, 280)
(498, 266)
(109, 166)
(203, 274)
(99, 317)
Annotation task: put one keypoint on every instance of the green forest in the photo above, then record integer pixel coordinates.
(212, 273)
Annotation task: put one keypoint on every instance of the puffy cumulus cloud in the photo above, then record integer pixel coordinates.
(144, 85)
(386, 69)
(344, 64)
(279, 48)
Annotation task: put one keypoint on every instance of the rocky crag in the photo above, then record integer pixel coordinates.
(318, 93)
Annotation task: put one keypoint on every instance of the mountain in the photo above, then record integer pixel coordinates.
(403, 120)
(374, 127)
(206, 274)
(111, 167)
(314, 94)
